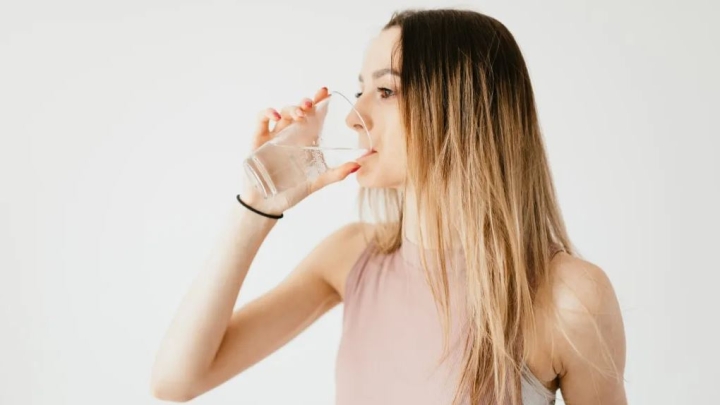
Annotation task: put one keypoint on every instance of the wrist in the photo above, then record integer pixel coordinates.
(252, 198)
(249, 220)
(259, 206)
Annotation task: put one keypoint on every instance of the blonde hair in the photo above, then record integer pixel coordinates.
(474, 146)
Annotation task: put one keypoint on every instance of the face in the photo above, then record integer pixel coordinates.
(377, 103)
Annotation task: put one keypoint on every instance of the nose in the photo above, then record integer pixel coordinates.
(355, 119)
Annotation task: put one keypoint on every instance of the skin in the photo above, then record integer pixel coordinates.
(208, 342)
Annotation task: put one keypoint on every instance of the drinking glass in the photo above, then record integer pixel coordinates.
(331, 134)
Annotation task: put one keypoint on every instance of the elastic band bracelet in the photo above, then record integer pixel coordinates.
(271, 216)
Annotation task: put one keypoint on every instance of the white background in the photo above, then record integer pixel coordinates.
(123, 129)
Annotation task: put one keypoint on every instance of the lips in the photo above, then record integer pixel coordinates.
(368, 153)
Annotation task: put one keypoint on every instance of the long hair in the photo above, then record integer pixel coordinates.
(475, 147)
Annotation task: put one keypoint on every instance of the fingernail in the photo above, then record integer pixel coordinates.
(325, 88)
(307, 104)
(355, 169)
(277, 116)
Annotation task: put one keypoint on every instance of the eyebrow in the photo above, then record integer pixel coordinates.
(380, 73)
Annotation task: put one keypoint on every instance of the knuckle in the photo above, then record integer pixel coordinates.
(289, 108)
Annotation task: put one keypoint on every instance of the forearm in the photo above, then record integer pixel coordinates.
(198, 327)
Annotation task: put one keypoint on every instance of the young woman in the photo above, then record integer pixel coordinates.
(467, 289)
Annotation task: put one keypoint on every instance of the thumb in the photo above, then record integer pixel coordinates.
(334, 175)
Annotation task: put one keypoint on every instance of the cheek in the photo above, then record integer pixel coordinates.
(396, 155)
(388, 167)
(395, 164)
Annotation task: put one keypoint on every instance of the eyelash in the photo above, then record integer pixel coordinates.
(381, 90)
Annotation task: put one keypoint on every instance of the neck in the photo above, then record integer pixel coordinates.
(415, 221)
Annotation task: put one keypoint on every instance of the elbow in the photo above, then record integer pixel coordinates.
(169, 396)
(167, 389)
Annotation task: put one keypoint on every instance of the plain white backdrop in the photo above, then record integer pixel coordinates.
(124, 125)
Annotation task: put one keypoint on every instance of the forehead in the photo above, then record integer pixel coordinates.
(379, 51)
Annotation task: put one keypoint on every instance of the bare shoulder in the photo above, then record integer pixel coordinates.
(337, 253)
(580, 287)
(587, 332)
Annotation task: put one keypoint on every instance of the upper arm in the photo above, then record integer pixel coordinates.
(589, 335)
(265, 324)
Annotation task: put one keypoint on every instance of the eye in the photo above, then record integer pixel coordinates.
(385, 92)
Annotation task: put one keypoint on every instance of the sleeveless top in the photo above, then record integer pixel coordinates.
(391, 341)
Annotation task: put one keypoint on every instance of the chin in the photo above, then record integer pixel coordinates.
(373, 179)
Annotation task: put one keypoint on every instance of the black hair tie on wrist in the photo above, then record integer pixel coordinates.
(271, 216)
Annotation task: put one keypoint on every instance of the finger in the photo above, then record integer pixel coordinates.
(334, 175)
(289, 115)
(320, 95)
(262, 128)
(306, 104)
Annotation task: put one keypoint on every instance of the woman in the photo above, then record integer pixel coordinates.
(467, 290)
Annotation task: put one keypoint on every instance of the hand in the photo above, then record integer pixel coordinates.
(279, 203)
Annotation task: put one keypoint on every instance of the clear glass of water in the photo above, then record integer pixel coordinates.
(332, 134)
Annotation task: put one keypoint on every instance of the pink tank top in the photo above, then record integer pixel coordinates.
(391, 341)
